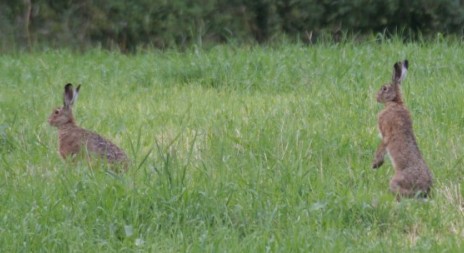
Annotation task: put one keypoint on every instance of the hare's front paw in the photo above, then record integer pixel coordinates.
(377, 163)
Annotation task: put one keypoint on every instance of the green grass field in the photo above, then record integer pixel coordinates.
(233, 149)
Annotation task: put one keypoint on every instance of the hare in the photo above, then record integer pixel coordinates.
(412, 176)
(74, 139)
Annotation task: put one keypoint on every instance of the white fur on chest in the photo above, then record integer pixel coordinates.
(391, 158)
(380, 133)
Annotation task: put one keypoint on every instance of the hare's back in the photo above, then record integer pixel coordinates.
(105, 148)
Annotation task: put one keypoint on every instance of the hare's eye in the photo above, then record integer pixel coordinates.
(57, 111)
(384, 88)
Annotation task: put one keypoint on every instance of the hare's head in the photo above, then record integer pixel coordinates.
(391, 92)
(63, 115)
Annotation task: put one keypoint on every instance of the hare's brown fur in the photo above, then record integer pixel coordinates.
(412, 176)
(73, 139)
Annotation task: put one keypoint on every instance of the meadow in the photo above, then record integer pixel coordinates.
(233, 149)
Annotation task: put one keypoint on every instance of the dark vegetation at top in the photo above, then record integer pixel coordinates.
(126, 25)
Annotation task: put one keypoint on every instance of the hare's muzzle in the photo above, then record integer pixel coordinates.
(378, 98)
(50, 121)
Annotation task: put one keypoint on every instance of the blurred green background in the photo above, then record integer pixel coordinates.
(128, 25)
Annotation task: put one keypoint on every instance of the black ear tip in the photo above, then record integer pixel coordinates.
(406, 63)
(67, 86)
(78, 87)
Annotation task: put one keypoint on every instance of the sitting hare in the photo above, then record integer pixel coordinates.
(74, 139)
(412, 176)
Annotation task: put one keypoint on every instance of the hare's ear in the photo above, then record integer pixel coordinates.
(76, 93)
(399, 71)
(70, 95)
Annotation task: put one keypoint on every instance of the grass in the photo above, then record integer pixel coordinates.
(233, 149)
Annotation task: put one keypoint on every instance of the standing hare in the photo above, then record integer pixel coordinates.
(74, 139)
(412, 176)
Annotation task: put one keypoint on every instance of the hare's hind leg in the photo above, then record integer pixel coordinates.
(399, 190)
